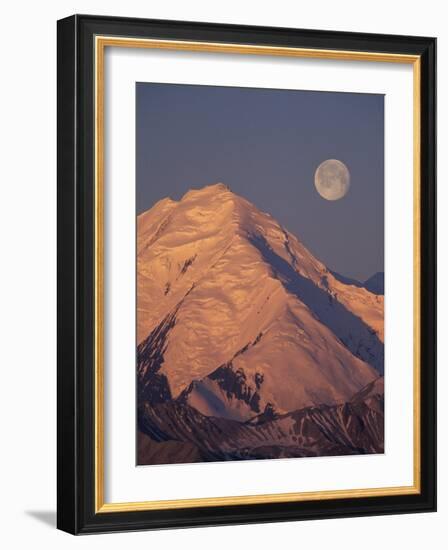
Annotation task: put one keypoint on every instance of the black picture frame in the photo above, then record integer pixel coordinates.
(76, 253)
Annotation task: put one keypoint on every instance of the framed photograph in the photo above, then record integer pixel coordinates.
(246, 274)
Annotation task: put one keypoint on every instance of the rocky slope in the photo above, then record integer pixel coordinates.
(355, 427)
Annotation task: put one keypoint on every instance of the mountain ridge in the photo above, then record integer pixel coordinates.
(354, 427)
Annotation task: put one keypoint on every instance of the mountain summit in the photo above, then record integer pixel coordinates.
(236, 318)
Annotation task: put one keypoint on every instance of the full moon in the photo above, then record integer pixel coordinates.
(332, 179)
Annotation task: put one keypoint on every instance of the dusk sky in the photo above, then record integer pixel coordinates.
(266, 145)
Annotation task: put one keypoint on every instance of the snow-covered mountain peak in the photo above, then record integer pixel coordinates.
(231, 305)
(207, 191)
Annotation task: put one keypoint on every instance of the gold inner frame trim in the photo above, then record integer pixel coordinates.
(101, 42)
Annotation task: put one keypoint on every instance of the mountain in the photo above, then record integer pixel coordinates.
(375, 283)
(237, 320)
(172, 431)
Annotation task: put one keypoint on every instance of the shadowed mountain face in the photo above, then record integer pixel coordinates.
(375, 284)
(248, 346)
(355, 427)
